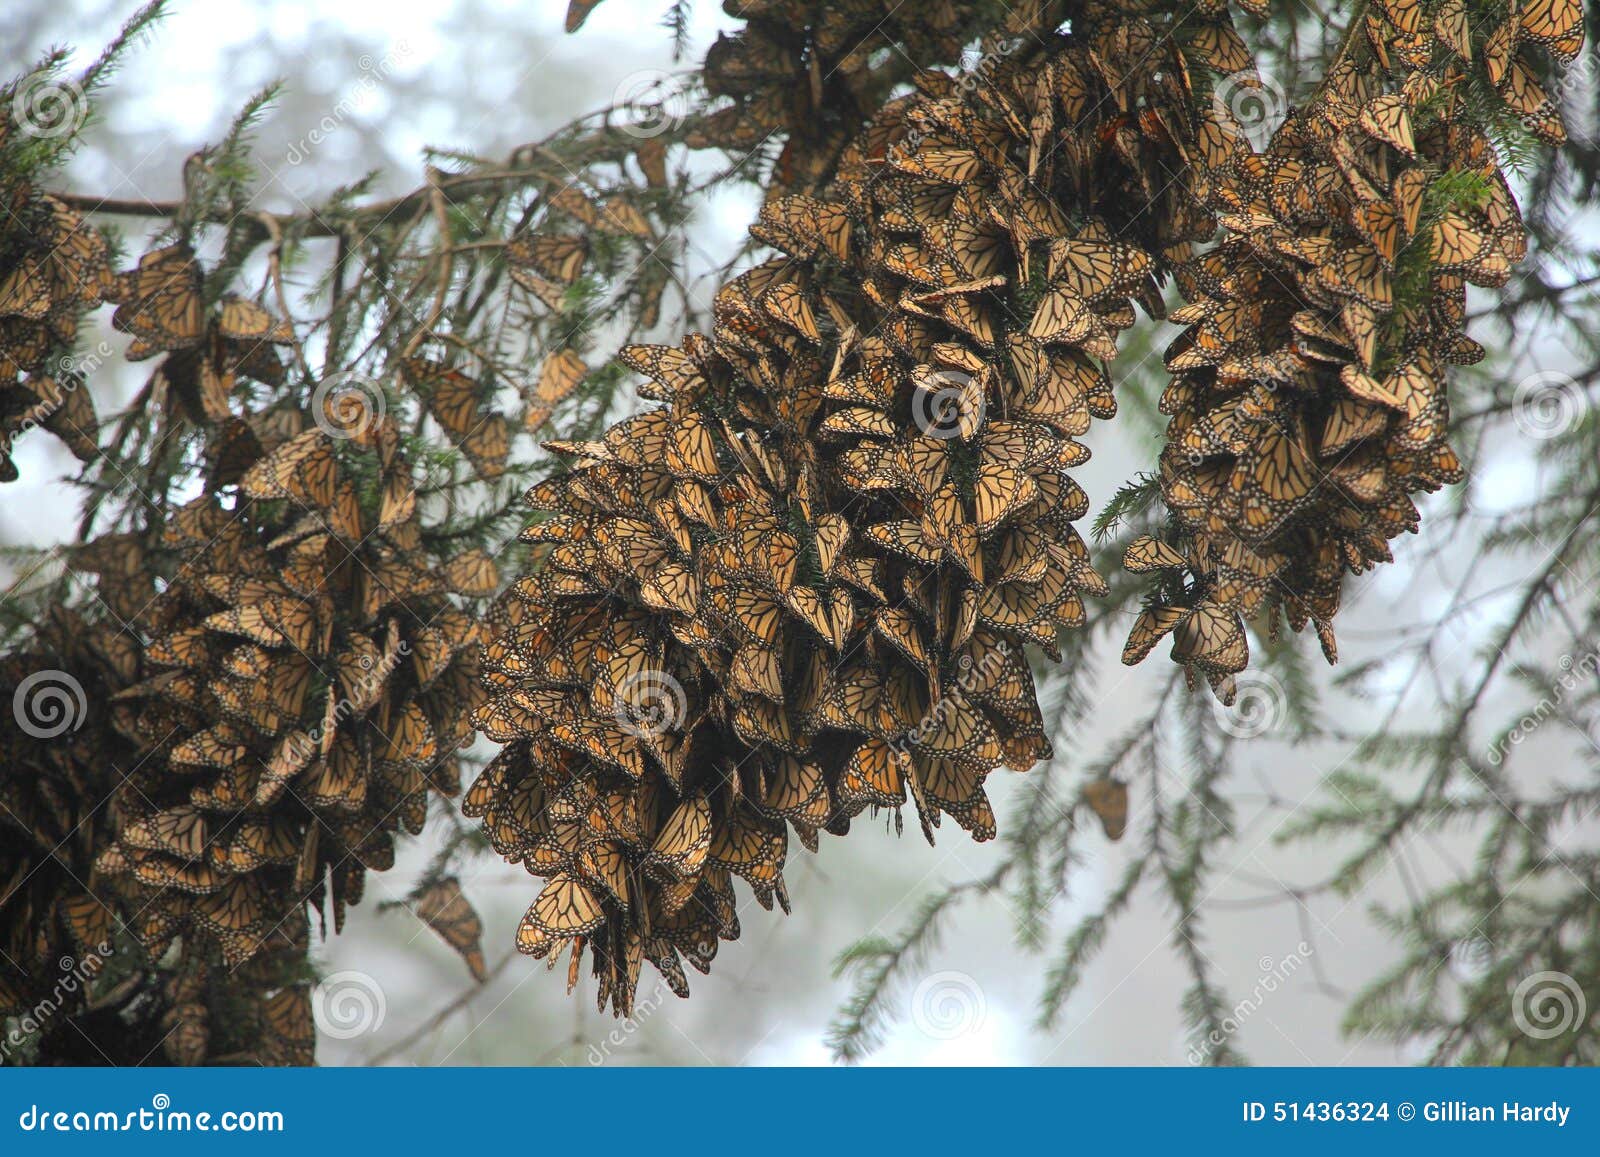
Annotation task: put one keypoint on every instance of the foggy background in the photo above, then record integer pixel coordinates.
(485, 76)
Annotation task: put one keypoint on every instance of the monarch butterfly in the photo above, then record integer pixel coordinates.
(748, 847)
(472, 573)
(443, 907)
(303, 469)
(1523, 93)
(1556, 24)
(788, 304)
(1388, 119)
(335, 782)
(938, 161)
(1378, 222)
(558, 257)
(673, 374)
(1000, 491)
(1108, 799)
(180, 833)
(1499, 50)
(77, 255)
(1363, 475)
(160, 872)
(160, 302)
(452, 396)
(958, 790)
(1062, 317)
(1349, 421)
(680, 848)
(241, 320)
(288, 1031)
(486, 446)
(548, 292)
(1219, 47)
(1152, 625)
(1212, 639)
(257, 841)
(874, 776)
(24, 291)
(563, 371)
(1358, 272)
(796, 790)
(691, 449)
(1145, 554)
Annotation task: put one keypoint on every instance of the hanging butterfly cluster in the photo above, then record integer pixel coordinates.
(54, 267)
(803, 587)
(60, 759)
(314, 681)
(1308, 398)
(812, 72)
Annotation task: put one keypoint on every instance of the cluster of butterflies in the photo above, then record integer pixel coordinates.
(811, 72)
(54, 268)
(65, 747)
(309, 675)
(803, 587)
(309, 671)
(59, 762)
(311, 682)
(1309, 394)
